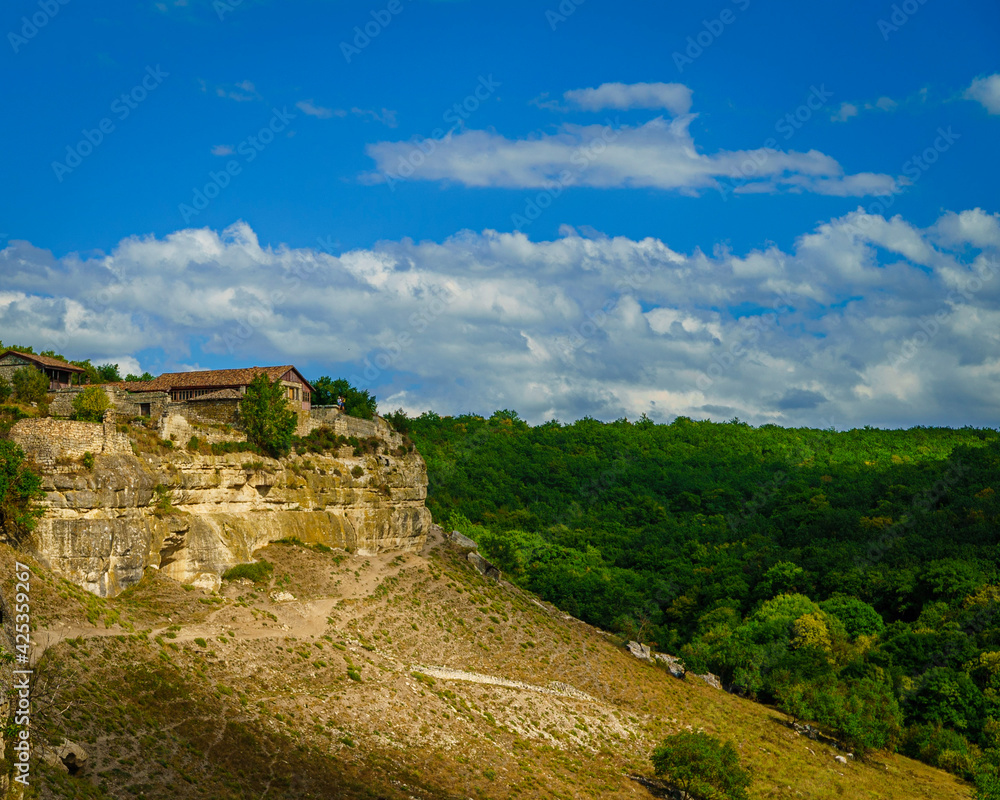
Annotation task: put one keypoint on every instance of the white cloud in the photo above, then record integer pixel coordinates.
(241, 92)
(865, 320)
(673, 97)
(387, 116)
(845, 112)
(986, 91)
(658, 154)
(307, 107)
(883, 104)
(915, 101)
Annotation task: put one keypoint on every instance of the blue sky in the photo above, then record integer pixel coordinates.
(777, 212)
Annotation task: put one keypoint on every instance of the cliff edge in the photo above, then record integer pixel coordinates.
(112, 510)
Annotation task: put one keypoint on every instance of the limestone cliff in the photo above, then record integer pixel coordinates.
(193, 516)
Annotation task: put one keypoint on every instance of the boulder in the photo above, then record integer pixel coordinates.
(484, 566)
(674, 665)
(840, 760)
(640, 651)
(282, 597)
(209, 581)
(710, 679)
(462, 541)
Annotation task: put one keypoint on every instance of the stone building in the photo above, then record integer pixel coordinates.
(226, 385)
(58, 372)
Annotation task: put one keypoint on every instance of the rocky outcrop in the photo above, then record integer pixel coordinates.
(194, 516)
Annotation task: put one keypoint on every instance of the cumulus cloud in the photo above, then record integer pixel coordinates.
(660, 154)
(673, 97)
(865, 320)
(986, 92)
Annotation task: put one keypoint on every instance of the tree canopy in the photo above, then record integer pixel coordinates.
(702, 766)
(268, 419)
(851, 578)
(91, 404)
(357, 402)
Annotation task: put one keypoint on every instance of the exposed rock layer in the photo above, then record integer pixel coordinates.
(194, 516)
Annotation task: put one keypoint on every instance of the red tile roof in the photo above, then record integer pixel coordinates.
(45, 361)
(222, 378)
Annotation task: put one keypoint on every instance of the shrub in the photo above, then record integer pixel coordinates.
(30, 385)
(702, 766)
(268, 420)
(19, 489)
(258, 572)
(194, 444)
(4, 389)
(88, 460)
(320, 440)
(221, 448)
(91, 404)
(163, 503)
(357, 471)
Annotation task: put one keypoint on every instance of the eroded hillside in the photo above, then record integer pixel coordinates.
(396, 675)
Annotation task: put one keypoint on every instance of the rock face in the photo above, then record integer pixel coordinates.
(194, 516)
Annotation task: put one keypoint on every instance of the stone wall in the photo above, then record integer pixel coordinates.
(344, 425)
(179, 429)
(51, 441)
(207, 412)
(126, 404)
(10, 364)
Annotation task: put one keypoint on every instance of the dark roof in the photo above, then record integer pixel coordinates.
(221, 378)
(45, 361)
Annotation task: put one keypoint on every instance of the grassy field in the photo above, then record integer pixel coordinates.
(377, 681)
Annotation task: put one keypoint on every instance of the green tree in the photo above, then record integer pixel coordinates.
(30, 385)
(357, 402)
(4, 389)
(20, 487)
(858, 618)
(91, 404)
(133, 378)
(702, 766)
(783, 578)
(108, 373)
(267, 418)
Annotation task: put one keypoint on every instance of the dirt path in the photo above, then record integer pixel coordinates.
(555, 688)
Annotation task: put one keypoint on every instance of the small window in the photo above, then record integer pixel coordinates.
(144, 409)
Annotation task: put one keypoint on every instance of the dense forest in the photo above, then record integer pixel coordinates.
(851, 578)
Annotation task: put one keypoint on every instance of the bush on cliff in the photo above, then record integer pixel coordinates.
(91, 404)
(258, 571)
(4, 389)
(20, 487)
(267, 417)
(30, 385)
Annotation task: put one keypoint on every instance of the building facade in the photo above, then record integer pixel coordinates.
(59, 373)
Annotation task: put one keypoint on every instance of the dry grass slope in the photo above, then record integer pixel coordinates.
(374, 682)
